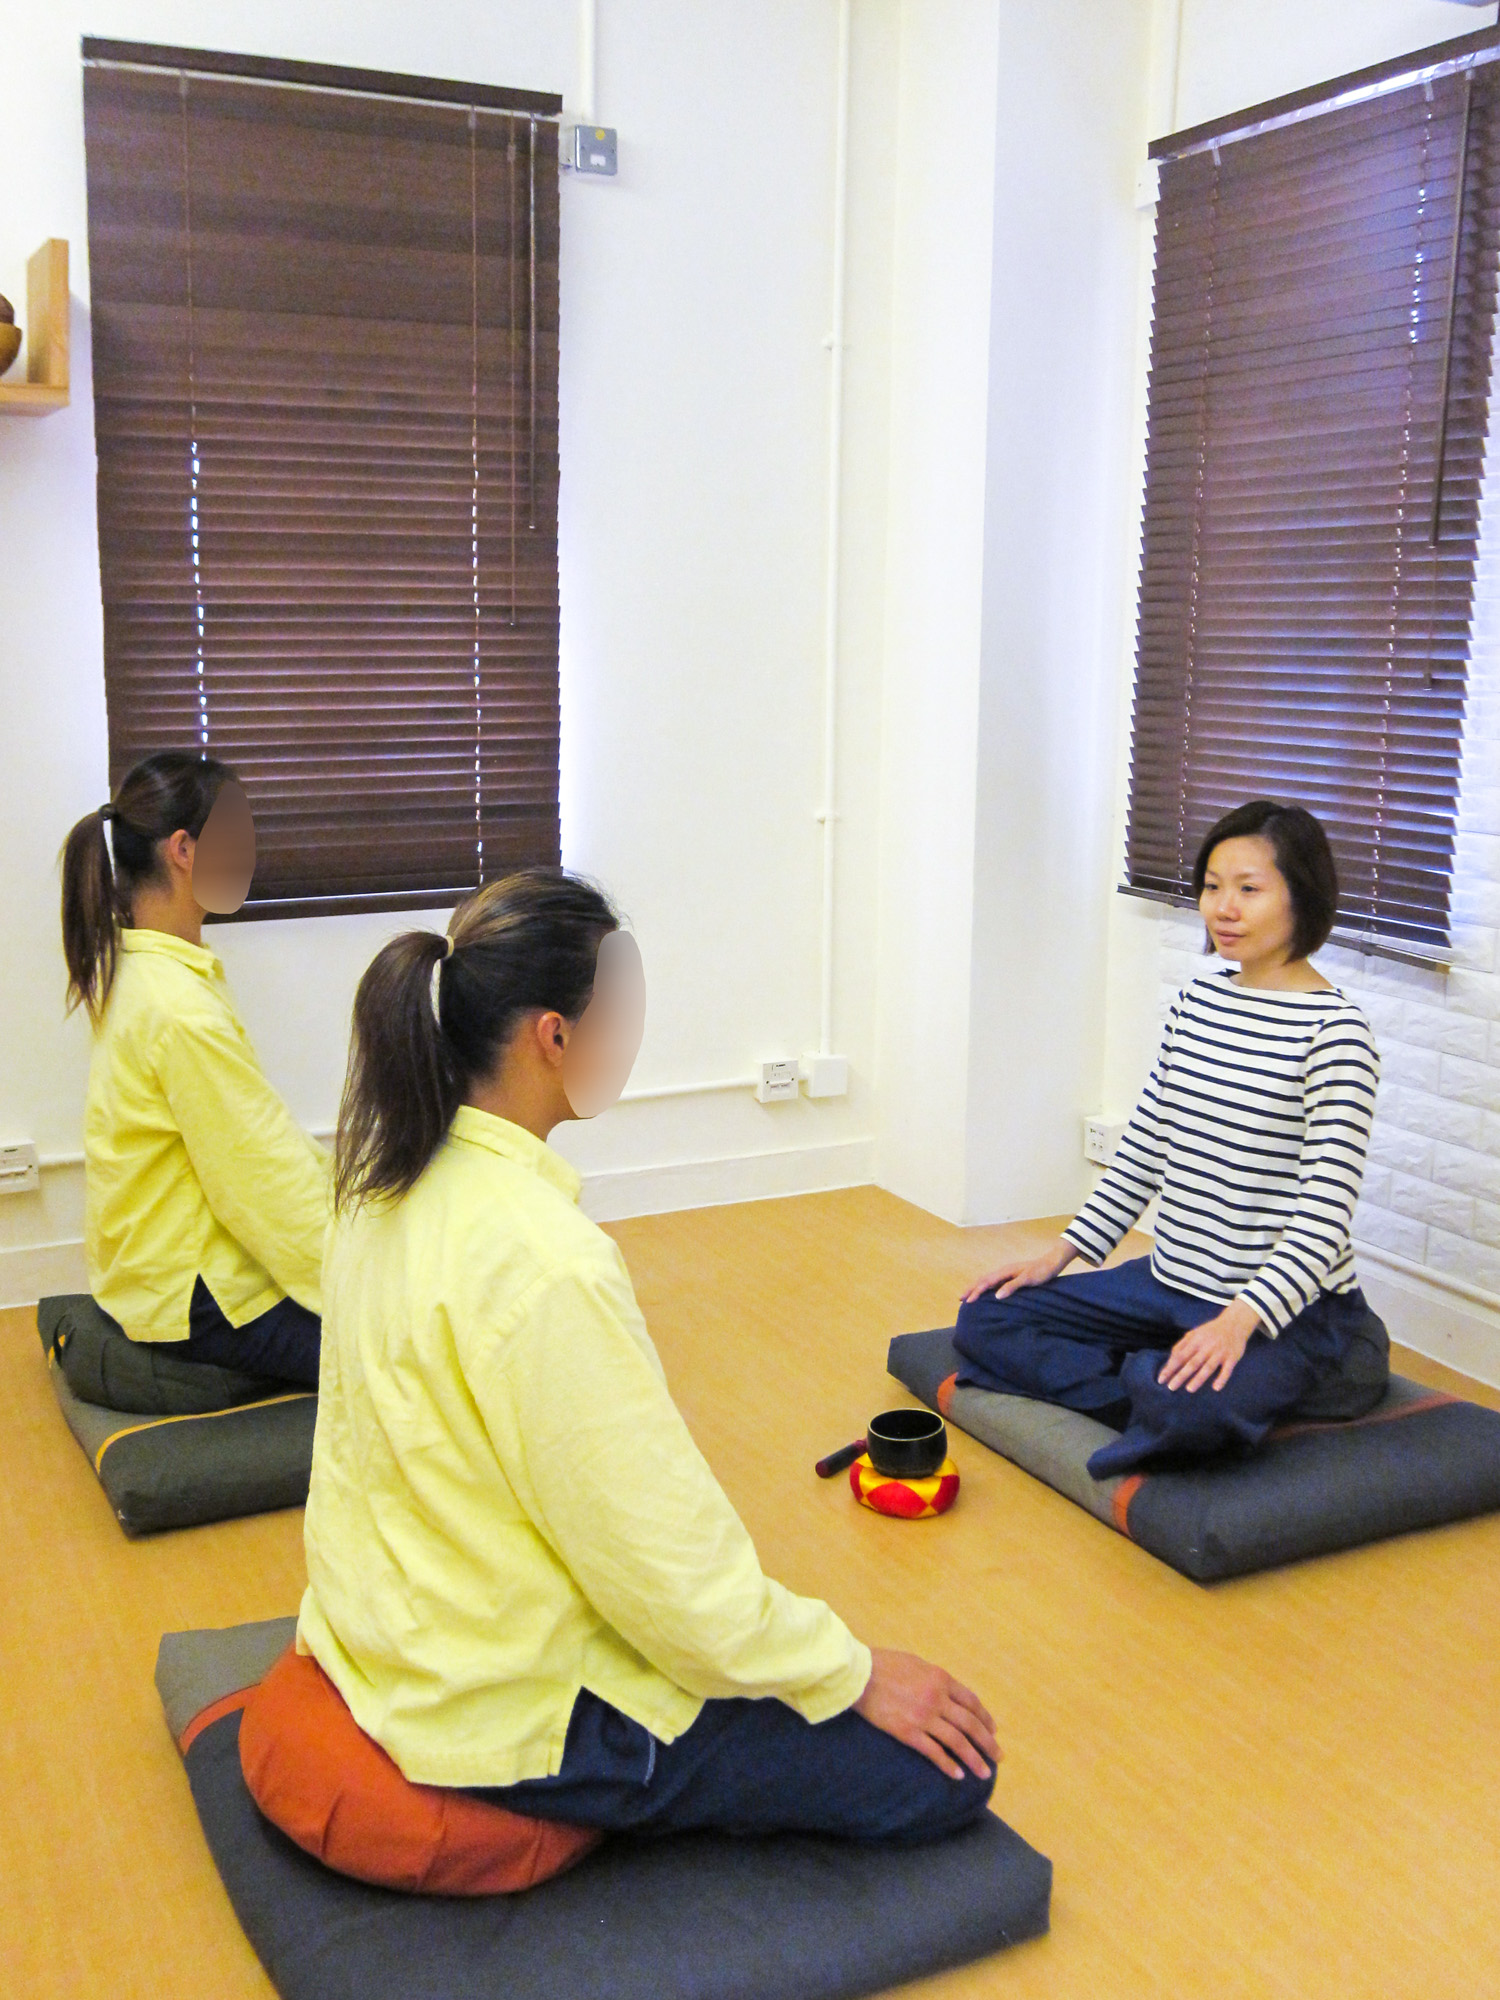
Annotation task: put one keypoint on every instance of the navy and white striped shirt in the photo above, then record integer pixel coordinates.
(1253, 1128)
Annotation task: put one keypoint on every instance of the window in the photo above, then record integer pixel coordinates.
(1320, 366)
(325, 383)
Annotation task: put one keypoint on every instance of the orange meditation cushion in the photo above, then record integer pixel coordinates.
(907, 1499)
(330, 1788)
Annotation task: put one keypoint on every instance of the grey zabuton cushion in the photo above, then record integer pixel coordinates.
(179, 1471)
(1420, 1458)
(689, 1917)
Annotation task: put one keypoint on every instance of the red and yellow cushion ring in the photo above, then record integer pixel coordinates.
(906, 1499)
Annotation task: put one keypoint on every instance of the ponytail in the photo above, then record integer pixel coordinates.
(91, 914)
(402, 1086)
(525, 944)
(170, 791)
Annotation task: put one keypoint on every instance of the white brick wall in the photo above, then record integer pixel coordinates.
(1432, 1190)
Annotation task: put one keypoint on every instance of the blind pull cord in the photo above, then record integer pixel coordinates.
(195, 517)
(1455, 253)
(531, 321)
(1200, 498)
(512, 155)
(474, 488)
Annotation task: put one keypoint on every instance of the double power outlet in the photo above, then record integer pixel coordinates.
(780, 1082)
(19, 1169)
(1100, 1138)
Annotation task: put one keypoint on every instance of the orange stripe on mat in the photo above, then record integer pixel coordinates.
(197, 1417)
(1127, 1489)
(225, 1705)
(1436, 1401)
(1124, 1493)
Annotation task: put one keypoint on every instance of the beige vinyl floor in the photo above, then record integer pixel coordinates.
(1287, 1785)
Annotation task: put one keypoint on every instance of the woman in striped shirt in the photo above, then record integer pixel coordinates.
(1253, 1129)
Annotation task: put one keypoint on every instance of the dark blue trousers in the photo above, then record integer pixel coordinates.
(750, 1768)
(282, 1344)
(1096, 1343)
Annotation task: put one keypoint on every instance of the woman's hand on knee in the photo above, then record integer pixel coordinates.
(1019, 1272)
(930, 1711)
(1211, 1352)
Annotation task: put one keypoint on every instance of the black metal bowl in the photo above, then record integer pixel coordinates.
(906, 1444)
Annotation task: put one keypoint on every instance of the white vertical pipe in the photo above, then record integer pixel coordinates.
(1173, 77)
(588, 59)
(828, 815)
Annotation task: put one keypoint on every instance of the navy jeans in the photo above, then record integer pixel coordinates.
(1095, 1343)
(746, 1767)
(282, 1344)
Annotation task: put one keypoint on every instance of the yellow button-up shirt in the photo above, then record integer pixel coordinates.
(194, 1166)
(506, 1504)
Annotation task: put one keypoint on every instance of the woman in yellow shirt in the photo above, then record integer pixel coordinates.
(206, 1205)
(522, 1575)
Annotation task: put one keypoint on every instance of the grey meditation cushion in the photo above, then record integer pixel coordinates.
(690, 1917)
(1417, 1459)
(179, 1470)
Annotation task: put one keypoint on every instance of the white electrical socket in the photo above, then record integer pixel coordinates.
(19, 1170)
(1100, 1138)
(826, 1076)
(779, 1082)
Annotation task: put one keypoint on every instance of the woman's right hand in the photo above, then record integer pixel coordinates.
(929, 1711)
(1021, 1271)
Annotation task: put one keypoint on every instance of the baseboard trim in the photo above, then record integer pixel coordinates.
(1443, 1318)
(615, 1196)
(33, 1271)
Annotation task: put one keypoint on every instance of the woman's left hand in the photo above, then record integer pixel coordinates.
(1211, 1351)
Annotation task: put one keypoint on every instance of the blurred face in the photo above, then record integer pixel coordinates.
(606, 1037)
(224, 854)
(1246, 904)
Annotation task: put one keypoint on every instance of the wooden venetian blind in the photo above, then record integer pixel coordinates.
(325, 386)
(1320, 367)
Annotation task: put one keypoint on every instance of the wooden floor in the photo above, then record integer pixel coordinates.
(1287, 1785)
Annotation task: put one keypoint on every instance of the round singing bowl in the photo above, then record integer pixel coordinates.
(10, 345)
(906, 1444)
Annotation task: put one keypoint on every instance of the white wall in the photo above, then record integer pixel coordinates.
(696, 298)
(694, 564)
(1428, 1228)
(1236, 53)
(1015, 307)
(942, 286)
(1059, 554)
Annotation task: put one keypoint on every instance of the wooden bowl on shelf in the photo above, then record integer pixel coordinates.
(10, 345)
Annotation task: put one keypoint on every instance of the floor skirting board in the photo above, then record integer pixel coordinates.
(615, 1196)
(30, 1271)
(1459, 1328)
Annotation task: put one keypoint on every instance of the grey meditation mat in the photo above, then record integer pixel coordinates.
(1419, 1459)
(104, 1365)
(691, 1917)
(180, 1471)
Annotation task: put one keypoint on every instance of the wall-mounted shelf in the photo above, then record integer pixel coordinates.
(46, 386)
